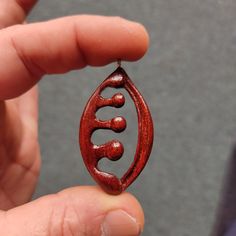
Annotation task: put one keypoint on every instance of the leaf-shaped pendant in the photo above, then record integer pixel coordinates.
(113, 150)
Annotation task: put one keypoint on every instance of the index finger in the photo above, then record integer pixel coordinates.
(28, 52)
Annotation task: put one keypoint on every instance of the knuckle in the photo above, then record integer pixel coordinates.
(67, 219)
(64, 220)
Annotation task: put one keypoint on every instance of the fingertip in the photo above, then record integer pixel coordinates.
(145, 40)
(133, 207)
(141, 42)
(124, 217)
(111, 38)
(136, 38)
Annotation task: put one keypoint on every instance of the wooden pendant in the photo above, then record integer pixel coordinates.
(114, 149)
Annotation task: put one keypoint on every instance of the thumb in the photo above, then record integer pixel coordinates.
(76, 211)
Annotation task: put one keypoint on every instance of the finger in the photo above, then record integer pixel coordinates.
(19, 149)
(28, 108)
(77, 211)
(30, 51)
(14, 11)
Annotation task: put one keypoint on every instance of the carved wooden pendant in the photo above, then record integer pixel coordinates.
(114, 149)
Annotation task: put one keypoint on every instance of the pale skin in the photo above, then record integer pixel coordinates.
(27, 53)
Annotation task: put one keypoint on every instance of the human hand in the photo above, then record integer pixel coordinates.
(27, 52)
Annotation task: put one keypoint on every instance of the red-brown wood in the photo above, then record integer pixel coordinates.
(114, 149)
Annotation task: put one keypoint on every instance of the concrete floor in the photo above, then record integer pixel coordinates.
(188, 78)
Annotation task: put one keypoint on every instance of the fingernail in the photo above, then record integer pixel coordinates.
(120, 223)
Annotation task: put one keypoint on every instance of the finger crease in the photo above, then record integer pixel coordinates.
(27, 169)
(63, 222)
(8, 197)
(34, 70)
(78, 46)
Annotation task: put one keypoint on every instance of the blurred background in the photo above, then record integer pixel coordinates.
(188, 78)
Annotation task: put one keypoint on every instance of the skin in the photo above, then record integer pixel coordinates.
(27, 52)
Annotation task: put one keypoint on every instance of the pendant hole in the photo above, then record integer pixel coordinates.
(108, 92)
(102, 136)
(108, 113)
(112, 168)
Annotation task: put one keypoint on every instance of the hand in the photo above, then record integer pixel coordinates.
(27, 52)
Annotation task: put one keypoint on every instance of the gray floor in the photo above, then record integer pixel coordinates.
(188, 78)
